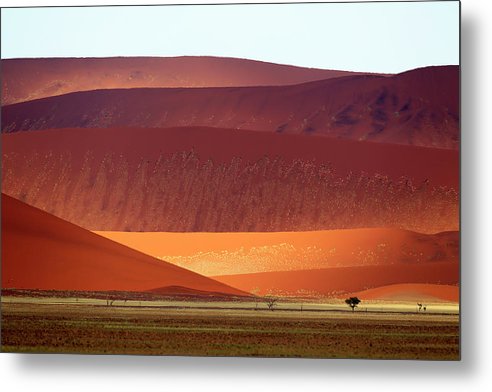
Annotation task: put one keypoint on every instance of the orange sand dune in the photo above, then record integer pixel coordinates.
(40, 251)
(27, 79)
(332, 282)
(419, 107)
(240, 253)
(207, 179)
(412, 292)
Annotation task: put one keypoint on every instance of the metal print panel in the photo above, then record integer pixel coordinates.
(270, 180)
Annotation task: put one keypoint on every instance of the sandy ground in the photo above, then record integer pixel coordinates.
(309, 308)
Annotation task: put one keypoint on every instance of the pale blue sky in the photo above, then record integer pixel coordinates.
(372, 37)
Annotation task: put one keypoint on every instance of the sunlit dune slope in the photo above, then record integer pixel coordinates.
(207, 179)
(239, 253)
(412, 292)
(419, 107)
(332, 282)
(27, 79)
(40, 251)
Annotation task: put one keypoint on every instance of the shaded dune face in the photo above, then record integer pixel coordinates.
(239, 253)
(418, 107)
(40, 251)
(412, 292)
(202, 179)
(28, 79)
(333, 282)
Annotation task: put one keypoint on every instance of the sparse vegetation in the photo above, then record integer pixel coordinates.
(85, 328)
(255, 293)
(271, 302)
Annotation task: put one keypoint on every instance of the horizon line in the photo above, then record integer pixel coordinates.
(222, 57)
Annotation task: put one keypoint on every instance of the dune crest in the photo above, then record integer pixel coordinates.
(28, 79)
(418, 107)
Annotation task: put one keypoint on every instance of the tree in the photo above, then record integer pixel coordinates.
(109, 301)
(352, 302)
(271, 302)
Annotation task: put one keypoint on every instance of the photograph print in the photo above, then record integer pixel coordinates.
(260, 180)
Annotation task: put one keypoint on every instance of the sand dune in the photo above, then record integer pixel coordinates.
(40, 251)
(206, 179)
(439, 167)
(418, 107)
(240, 253)
(28, 79)
(412, 292)
(333, 282)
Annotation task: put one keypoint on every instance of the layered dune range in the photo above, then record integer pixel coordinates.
(40, 251)
(28, 79)
(154, 145)
(199, 179)
(418, 107)
(239, 253)
(336, 282)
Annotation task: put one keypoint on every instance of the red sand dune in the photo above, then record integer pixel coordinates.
(28, 79)
(411, 292)
(205, 179)
(333, 282)
(40, 251)
(239, 253)
(419, 107)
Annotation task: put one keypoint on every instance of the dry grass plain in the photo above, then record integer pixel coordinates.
(89, 326)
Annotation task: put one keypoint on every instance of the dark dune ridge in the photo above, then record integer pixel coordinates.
(418, 107)
(28, 79)
(41, 251)
(203, 179)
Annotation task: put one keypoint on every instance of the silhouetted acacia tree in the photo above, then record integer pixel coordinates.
(271, 302)
(352, 302)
